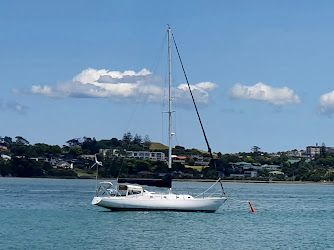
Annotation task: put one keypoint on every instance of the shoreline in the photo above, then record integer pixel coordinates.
(256, 181)
(189, 180)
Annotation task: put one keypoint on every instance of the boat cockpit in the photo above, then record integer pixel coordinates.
(107, 188)
(126, 190)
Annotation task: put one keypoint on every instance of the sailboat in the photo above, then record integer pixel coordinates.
(134, 197)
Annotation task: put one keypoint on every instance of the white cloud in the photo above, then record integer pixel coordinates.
(201, 91)
(118, 86)
(326, 104)
(263, 92)
(12, 105)
(92, 75)
(43, 90)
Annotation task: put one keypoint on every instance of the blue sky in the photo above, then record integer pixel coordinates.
(261, 71)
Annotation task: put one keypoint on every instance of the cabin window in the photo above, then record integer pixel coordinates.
(134, 192)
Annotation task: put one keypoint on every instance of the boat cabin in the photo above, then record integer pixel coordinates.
(126, 190)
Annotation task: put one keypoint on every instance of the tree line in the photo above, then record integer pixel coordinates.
(22, 163)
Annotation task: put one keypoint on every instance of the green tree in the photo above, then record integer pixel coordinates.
(255, 149)
(249, 159)
(54, 151)
(112, 167)
(112, 143)
(89, 146)
(73, 142)
(179, 150)
(147, 142)
(127, 138)
(21, 140)
(137, 139)
(4, 168)
(141, 165)
(18, 150)
(190, 161)
(6, 140)
(178, 167)
(75, 151)
(209, 173)
(159, 167)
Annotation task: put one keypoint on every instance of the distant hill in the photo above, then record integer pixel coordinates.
(215, 155)
(157, 146)
(203, 151)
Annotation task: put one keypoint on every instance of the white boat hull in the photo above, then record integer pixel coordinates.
(163, 202)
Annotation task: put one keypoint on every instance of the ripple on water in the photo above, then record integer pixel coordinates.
(57, 214)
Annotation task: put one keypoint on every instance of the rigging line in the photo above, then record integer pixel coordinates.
(192, 97)
(163, 103)
(122, 160)
(207, 189)
(156, 62)
(142, 101)
(139, 102)
(175, 129)
(120, 169)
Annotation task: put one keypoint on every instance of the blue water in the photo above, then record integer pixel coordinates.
(57, 214)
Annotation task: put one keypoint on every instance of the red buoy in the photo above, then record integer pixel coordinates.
(251, 206)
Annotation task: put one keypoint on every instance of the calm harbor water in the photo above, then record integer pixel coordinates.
(57, 214)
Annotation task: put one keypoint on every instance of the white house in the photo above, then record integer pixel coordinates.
(146, 155)
(6, 157)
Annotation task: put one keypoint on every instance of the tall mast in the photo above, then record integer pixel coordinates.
(170, 99)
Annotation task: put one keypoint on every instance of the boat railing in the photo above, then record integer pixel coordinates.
(105, 189)
(186, 196)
